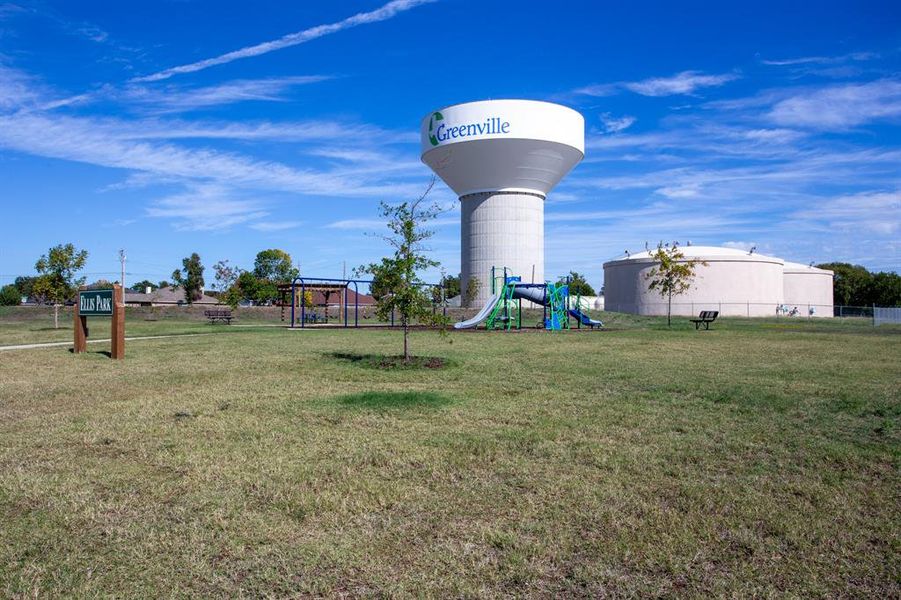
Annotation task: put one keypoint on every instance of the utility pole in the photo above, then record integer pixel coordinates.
(122, 262)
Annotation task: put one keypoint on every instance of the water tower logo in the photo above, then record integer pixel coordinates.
(437, 116)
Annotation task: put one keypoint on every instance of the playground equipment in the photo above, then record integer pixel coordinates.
(504, 307)
(301, 285)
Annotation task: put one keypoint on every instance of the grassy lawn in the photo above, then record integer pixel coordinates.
(760, 458)
(35, 325)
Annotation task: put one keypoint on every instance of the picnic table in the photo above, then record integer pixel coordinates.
(219, 315)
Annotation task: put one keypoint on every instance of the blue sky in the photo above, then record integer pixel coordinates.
(170, 127)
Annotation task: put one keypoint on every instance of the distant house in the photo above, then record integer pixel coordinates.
(166, 296)
(325, 294)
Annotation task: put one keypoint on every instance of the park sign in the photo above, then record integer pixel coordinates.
(101, 303)
(95, 303)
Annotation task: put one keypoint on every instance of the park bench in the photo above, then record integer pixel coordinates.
(219, 315)
(706, 317)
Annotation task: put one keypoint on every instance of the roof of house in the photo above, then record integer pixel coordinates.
(166, 295)
(334, 297)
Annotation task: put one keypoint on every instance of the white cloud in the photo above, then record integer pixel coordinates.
(746, 246)
(684, 83)
(379, 224)
(840, 107)
(81, 140)
(230, 92)
(206, 208)
(16, 89)
(8, 9)
(616, 124)
(92, 32)
(267, 226)
(382, 13)
(875, 211)
(821, 60)
(357, 224)
(288, 131)
(680, 191)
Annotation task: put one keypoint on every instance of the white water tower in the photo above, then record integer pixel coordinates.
(502, 157)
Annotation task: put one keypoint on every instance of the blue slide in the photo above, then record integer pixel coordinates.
(585, 319)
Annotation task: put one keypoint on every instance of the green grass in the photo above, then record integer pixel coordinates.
(760, 458)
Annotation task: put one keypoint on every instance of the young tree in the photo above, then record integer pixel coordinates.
(226, 277)
(673, 274)
(472, 290)
(10, 295)
(398, 275)
(190, 278)
(56, 281)
(578, 285)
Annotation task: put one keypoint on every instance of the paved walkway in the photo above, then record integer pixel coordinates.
(128, 339)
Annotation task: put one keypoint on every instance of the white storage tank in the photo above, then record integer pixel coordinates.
(734, 282)
(807, 290)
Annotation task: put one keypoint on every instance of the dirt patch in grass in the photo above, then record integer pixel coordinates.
(381, 361)
(393, 400)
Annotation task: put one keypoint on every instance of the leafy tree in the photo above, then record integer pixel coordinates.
(673, 274)
(56, 281)
(850, 285)
(578, 285)
(10, 295)
(885, 289)
(100, 284)
(854, 285)
(24, 284)
(163, 284)
(143, 285)
(247, 286)
(472, 291)
(267, 291)
(226, 277)
(190, 278)
(378, 289)
(274, 265)
(451, 285)
(398, 275)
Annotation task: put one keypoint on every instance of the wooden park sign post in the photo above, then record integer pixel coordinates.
(101, 303)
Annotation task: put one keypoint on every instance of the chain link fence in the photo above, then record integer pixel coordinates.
(727, 309)
(882, 315)
(756, 309)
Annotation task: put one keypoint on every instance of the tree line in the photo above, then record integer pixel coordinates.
(57, 280)
(854, 285)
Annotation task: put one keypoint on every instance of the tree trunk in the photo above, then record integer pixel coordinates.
(406, 344)
(669, 310)
(56, 316)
